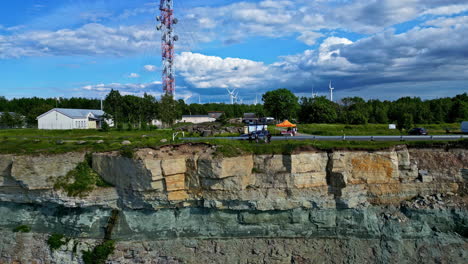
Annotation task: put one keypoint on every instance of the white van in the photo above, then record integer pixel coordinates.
(464, 127)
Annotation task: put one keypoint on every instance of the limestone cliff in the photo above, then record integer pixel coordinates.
(186, 204)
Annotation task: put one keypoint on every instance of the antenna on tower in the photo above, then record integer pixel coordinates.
(167, 44)
(331, 91)
(256, 99)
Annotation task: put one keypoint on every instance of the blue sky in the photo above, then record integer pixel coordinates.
(373, 49)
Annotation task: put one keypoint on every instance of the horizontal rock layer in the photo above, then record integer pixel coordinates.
(347, 202)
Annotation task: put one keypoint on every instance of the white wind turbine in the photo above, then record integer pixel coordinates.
(331, 91)
(231, 95)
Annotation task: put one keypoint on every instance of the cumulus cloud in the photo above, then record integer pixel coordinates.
(309, 38)
(203, 71)
(133, 75)
(125, 87)
(90, 39)
(416, 58)
(137, 89)
(150, 68)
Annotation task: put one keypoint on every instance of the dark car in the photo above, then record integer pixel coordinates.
(418, 131)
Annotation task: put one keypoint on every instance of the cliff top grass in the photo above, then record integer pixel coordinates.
(31, 141)
(34, 141)
(373, 129)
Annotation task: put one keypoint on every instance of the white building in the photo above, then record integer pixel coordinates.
(196, 119)
(61, 118)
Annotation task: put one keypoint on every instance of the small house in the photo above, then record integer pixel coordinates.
(196, 119)
(62, 118)
(215, 114)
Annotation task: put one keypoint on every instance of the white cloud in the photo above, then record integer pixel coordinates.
(90, 39)
(447, 10)
(309, 38)
(150, 68)
(448, 22)
(133, 75)
(203, 71)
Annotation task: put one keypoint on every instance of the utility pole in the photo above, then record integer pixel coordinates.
(167, 44)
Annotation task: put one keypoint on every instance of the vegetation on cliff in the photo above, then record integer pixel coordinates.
(22, 229)
(100, 253)
(55, 241)
(81, 180)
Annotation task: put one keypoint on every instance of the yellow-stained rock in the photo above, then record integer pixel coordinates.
(309, 180)
(373, 169)
(175, 182)
(177, 196)
(309, 162)
(157, 185)
(154, 166)
(173, 166)
(225, 167)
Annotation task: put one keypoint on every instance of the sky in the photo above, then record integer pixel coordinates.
(373, 49)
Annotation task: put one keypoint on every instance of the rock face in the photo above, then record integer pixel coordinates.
(185, 204)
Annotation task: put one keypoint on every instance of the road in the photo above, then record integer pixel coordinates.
(349, 138)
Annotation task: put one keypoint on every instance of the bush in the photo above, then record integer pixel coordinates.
(55, 241)
(143, 126)
(80, 181)
(22, 229)
(120, 127)
(100, 253)
(105, 127)
(127, 153)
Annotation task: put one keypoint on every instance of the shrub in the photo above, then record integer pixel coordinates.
(22, 229)
(55, 241)
(127, 153)
(105, 127)
(80, 181)
(100, 253)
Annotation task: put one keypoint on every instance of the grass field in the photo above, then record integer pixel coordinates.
(371, 129)
(26, 141)
(30, 141)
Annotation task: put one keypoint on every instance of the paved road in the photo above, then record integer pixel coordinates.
(350, 138)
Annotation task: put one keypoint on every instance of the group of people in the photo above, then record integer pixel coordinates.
(292, 131)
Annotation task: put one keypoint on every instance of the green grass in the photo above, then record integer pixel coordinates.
(30, 141)
(232, 148)
(100, 253)
(55, 241)
(371, 129)
(22, 229)
(80, 181)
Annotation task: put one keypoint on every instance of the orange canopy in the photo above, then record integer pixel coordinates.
(286, 123)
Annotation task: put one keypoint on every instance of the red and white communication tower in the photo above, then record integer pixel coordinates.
(167, 46)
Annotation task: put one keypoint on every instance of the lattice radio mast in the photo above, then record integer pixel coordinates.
(168, 38)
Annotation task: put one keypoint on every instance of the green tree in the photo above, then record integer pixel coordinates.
(7, 120)
(281, 104)
(318, 110)
(169, 110)
(405, 122)
(113, 106)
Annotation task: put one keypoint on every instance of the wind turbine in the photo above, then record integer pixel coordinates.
(331, 91)
(231, 95)
(314, 95)
(235, 97)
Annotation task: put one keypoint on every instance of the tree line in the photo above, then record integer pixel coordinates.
(283, 104)
(137, 112)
